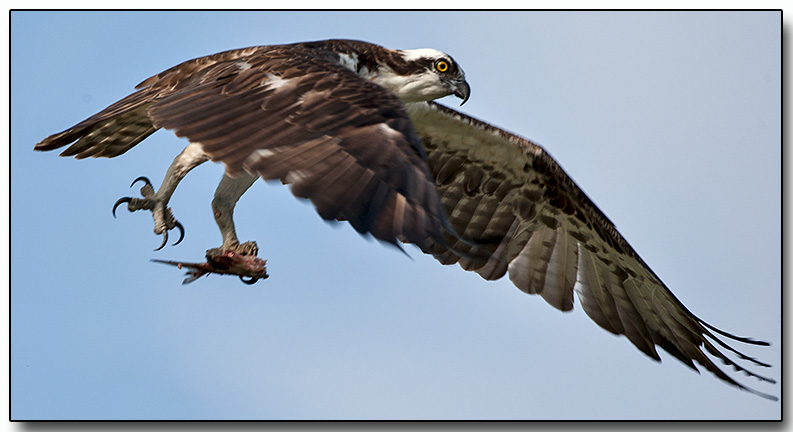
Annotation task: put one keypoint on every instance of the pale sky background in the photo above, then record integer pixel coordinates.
(670, 122)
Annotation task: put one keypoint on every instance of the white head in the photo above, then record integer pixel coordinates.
(421, 75)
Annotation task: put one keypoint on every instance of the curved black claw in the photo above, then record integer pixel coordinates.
(164, 240)
(141, 178)
(181, 232)
(118, 203)
(165, 236)
(250, 281)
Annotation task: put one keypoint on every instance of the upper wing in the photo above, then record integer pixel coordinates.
(533, 221)
(291, 113)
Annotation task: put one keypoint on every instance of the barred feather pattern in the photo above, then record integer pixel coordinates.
(524, 217)
(291, 113)
(459, 188)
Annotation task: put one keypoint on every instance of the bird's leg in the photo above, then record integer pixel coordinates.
(227, 194)
(157, 202)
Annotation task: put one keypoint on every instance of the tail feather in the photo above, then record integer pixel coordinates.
(109, 133)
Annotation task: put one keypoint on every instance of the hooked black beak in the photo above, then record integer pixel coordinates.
(462, 90)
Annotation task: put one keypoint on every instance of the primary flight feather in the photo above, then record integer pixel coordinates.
(351, 126)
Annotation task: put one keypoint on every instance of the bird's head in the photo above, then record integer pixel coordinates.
(422, 75)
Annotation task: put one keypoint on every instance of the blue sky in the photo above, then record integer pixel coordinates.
(669, 121)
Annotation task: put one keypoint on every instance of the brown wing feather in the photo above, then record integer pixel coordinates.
(341, 141)
(119, 127)
(536, 225)
(292, 113)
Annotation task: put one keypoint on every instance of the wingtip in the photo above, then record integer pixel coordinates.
(742, 339)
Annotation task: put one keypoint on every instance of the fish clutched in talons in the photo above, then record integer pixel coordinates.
(249, 268)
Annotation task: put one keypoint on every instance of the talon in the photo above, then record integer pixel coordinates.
(181, 232)
(250, 281)
(118, 203)
(164, 240)
(141, 178)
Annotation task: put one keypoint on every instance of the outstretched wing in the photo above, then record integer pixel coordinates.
(291, 113)
(507, 194)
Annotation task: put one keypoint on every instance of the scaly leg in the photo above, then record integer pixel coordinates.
(227, 194)
(231, 257)
(157, 202)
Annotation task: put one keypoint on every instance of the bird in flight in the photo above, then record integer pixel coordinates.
(352, 127)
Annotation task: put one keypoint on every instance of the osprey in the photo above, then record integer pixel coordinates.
(351, 126)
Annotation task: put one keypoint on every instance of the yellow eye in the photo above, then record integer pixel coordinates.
(442, 66)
